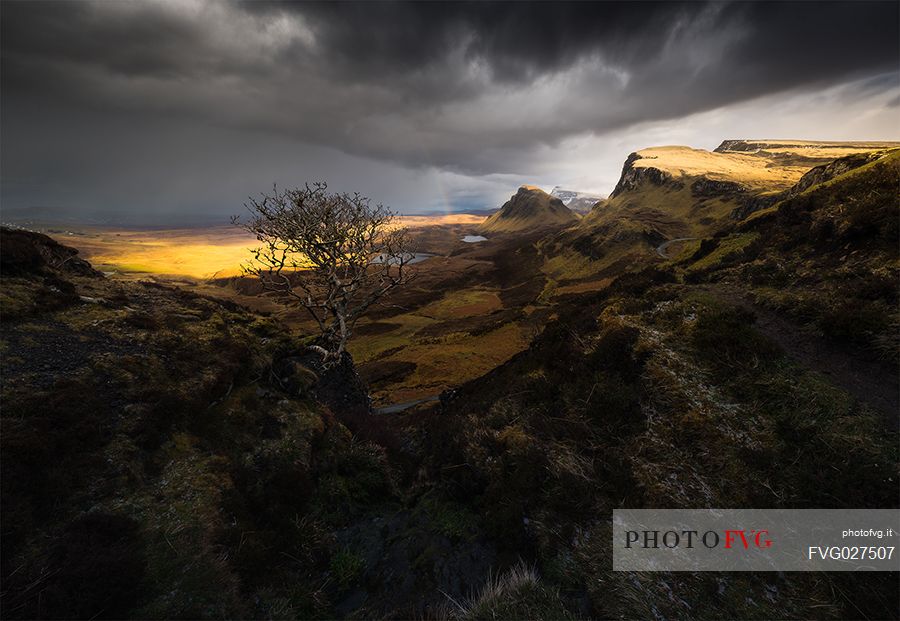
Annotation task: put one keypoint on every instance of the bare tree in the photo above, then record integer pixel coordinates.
(333, 254)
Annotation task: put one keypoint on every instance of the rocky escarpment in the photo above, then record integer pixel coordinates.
(703, 187)
(813, 177)
(747, 201)
(709, 188)
(826, 172)
(751, 204)
(633, 176)
(29, 252)
(740, 146)
(676, 192)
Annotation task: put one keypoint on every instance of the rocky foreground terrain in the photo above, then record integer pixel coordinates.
(171, 455)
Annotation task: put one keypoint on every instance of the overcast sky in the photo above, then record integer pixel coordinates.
(156, 109)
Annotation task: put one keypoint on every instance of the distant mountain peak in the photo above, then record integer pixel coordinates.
(579, 202)
(530, 208)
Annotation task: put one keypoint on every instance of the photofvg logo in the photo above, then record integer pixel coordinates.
(756, 540)
(688, 538)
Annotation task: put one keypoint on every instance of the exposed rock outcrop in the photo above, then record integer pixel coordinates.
(633, 176)
(826, 172)
(708, 188)
(750, 204)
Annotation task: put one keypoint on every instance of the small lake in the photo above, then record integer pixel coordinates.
(474, 239)
(417, 257)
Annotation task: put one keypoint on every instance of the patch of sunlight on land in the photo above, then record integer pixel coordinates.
(209, 252)
(440, 220)
(198, 253)
(747, 169)
(442, 359)
(762, 213)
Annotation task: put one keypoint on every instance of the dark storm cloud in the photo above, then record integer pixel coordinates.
(470, 87)
(144, 42)
(516, 40)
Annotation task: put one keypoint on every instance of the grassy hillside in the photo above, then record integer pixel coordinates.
(827, 256)
(662, 395)
(168, 456)
(692, 385)
(667, 193)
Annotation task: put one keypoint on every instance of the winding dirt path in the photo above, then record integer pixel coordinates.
(867, 380)
(395, 408)
(661, 249)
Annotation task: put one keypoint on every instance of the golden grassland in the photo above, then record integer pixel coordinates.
(457, 358)
(748, 169)
(194, 253)
(441, 219)
(199, 253)
(442, 357)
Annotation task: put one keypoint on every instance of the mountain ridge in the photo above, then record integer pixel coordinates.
(670, 192)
